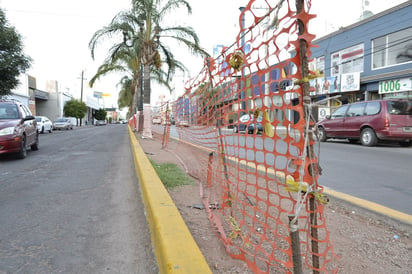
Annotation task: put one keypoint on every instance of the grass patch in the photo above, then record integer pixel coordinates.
(171, 175)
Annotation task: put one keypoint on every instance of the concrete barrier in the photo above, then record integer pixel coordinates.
(176, 250)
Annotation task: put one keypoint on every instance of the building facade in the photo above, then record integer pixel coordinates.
(51, 102)
(371, 59)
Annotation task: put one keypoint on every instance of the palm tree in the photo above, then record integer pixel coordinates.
(126, 60)
(142, 28)
(125, 94)
(153, 40)
(121, 57)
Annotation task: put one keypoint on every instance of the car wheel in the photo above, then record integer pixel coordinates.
(50, 130)
(67, 128)
(405, 143)
(35, 146)
(23, 150)
(42, 130)
(368, 137)
(321, 134)
(235, 129)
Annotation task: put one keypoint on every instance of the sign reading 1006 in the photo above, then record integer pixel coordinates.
(397, 85)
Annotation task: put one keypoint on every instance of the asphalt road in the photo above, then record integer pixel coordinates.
(74, 206)
(381, 174)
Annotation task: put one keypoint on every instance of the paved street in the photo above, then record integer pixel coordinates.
(74, 206)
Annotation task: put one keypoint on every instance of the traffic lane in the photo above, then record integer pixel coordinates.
(81, 212)
(379, 174)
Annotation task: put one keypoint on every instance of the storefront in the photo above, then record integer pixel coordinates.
(396, 88)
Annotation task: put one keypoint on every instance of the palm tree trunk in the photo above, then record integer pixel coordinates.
(147, 125)
(135, 99)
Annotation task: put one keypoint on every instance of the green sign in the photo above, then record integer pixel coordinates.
(396, 85)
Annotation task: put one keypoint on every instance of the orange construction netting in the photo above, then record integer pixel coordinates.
(248, 126)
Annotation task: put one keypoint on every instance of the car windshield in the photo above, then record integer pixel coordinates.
(8, 111)
(61, 120)
(399, 107)
(38, 119)
(250, 117)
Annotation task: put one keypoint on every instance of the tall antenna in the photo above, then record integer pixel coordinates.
(365, 10)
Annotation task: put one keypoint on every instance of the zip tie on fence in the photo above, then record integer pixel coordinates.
(311, 76)
(293, 186)
(301, 200)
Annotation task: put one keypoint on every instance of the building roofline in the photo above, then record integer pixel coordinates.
(364, 21)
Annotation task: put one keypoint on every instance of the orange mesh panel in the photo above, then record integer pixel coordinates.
(244, 118)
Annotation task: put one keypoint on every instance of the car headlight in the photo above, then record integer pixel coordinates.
(7, 131)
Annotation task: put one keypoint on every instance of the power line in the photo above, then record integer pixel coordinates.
(58, 14)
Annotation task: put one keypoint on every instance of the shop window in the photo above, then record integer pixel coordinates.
(392, 49)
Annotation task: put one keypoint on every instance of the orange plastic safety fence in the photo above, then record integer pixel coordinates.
(245, 120)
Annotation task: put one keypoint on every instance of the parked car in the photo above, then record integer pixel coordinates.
(44, 124)
(156, 120)
(246, 123)
(18, 129)
(182, 123)
(62, 123)
(100, 123)
(370, 122)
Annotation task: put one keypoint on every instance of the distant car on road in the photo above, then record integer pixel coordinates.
(44, 124)
(18, 129)
(62, 123)
(370, 122)
(156, 120)
(182, 123)
(100, 123)
(246, 123)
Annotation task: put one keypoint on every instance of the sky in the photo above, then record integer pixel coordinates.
(56, 35)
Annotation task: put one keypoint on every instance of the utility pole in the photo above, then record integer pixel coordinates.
(81, 86)
(81, 91)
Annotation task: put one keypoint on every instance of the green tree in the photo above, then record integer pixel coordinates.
(100, 114)
(13, 62)
(142, 27)
(124, 59)
(156, 38)
(75, 108)
(125, 95)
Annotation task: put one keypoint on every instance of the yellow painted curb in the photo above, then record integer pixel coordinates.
(176, 250)
(394, 214)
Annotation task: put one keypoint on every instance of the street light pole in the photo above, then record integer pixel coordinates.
(81, 91)
(81, 87)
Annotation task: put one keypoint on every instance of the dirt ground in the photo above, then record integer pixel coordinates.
(365, 242)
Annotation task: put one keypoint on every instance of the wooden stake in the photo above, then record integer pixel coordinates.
(294, 239)
(309, 149)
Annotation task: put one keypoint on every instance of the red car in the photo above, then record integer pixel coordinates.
(370, 122)
(18, 129)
